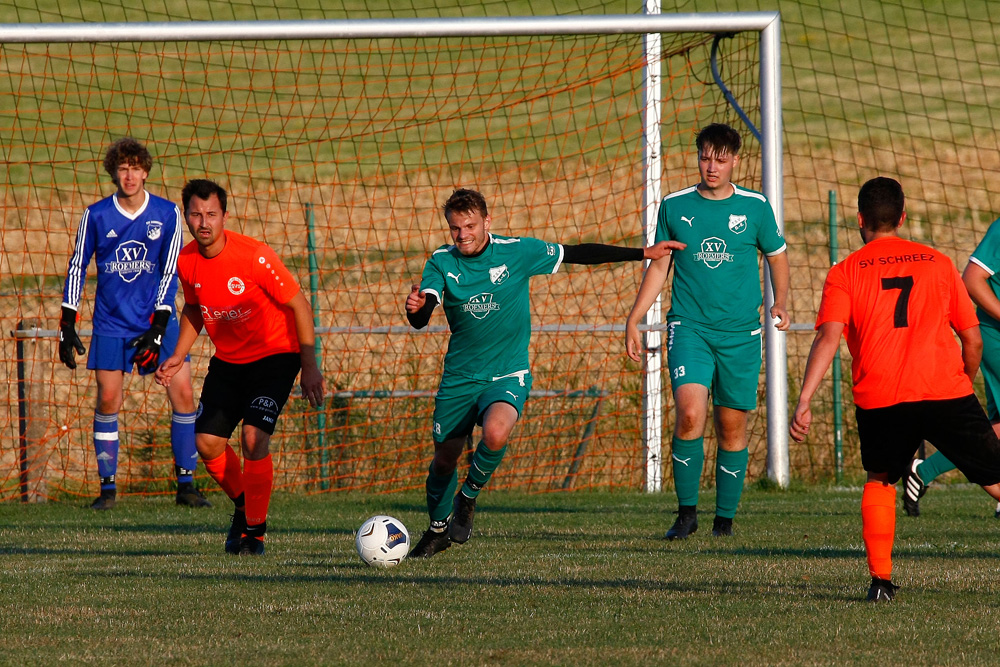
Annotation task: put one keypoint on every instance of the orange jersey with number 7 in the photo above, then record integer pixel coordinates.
(900, 302)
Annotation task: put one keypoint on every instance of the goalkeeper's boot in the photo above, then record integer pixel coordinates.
(687, 523)
(106, 500)
(236, 530)
(722, 527)
(913, 489)
(996, 514)
(431, 543)
(190, 496)
(882, 590)
(251, 546)
(460, 528)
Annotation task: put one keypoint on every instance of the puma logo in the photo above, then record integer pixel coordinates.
(734, 473)
(512, 394)
(456, 277)
(679, 460)
(688, 220)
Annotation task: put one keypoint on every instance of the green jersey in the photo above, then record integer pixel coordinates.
(486, 301)
(716, 282)
(987, 255)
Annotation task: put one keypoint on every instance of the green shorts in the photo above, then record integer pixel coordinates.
(727, 363)
(460, 402)
(991, 370)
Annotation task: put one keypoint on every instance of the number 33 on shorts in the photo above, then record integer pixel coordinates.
(678, 372)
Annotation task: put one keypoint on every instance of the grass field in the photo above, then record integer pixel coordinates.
(554, 579)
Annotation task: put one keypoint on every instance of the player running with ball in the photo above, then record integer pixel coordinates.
(482, 281)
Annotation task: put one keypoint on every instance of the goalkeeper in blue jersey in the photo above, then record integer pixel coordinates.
(134, 237)
(482, 281)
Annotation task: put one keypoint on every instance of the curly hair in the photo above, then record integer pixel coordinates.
(126, 151)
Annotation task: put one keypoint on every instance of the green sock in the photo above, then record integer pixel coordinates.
(934, 465)
(730, 471)
(484, 462)
(440, 491)
(688, 457)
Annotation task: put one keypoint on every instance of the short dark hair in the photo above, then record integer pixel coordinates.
(720, 137)
(202, 188)
(126, 151)
(465, 201)
(881, 203)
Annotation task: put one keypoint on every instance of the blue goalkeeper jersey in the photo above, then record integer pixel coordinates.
(136, 256)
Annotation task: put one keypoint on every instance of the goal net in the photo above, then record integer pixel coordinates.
(339, 153)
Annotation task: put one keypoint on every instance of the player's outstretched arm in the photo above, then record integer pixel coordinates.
(191, 324)
(600, 253)
(778, 264)
(313, 384)
(652, 285)
(824, 347)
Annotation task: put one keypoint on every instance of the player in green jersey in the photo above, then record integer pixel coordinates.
(482, 281)
(983, 283)
(714, 340)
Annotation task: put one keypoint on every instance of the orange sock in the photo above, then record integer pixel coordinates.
(225, 469)
(259, 478)
(878, 526)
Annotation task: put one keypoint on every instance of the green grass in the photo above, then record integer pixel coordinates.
(556, 579)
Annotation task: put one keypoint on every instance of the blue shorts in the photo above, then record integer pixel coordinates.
(111, 353)
(461, 402)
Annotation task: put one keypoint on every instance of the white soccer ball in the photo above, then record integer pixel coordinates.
(382, 541)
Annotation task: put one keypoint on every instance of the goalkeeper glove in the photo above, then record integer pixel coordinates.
(147, 345)
(68, 338)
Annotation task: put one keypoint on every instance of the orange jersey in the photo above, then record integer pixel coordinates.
(900, 301)
(240, 293)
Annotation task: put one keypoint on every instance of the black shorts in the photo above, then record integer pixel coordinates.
(253, 393)
(958, 427)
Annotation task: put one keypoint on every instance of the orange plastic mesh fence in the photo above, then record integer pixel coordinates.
(365, 139)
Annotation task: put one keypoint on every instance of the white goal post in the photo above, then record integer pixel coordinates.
(652, 25)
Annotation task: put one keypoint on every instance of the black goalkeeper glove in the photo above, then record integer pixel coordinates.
(147, 345)
(68, 338)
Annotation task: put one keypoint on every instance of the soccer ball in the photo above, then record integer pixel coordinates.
(382, 541)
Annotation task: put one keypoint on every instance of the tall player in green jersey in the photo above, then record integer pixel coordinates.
(714, 340)
(482, 281)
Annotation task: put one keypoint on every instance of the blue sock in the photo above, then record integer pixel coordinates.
(182, 443)
(106, 448)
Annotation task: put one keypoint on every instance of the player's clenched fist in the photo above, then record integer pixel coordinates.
(415, 300)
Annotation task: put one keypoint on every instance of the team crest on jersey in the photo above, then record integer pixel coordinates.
(153, 230)
(498, 274)
(236, 285)
(481, 305)
(713, 253)
(130, 261)
(737, 223)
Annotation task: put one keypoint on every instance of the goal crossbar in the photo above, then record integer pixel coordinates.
(200, 31)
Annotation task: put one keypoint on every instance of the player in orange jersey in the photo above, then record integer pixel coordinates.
(262, 328)
(898, 303)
